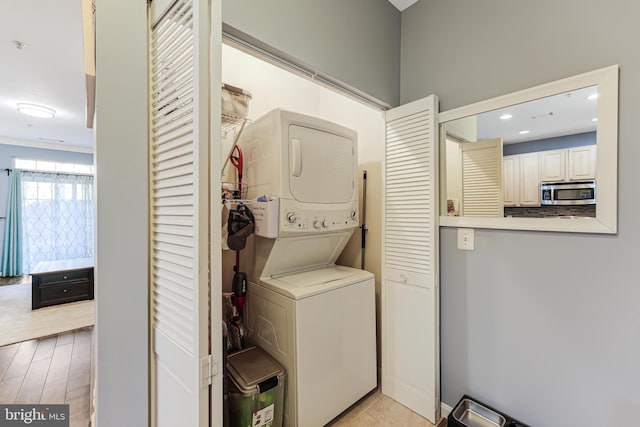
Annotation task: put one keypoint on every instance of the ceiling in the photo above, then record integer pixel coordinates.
(402, 4)
(48, 70)
(564, 114)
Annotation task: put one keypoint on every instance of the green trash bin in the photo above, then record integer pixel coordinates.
(256, 389)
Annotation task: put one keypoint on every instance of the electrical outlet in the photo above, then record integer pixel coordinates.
(465, 239)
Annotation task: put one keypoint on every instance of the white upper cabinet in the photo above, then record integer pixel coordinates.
(553, 165)
(582, 163)
(511, 180)
(529, 180)
(569, 164)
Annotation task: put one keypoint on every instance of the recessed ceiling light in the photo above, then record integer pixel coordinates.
(35, 110)
(524, 132)
(505, 116)
(593, 96)
(50, 139)
(595, 119)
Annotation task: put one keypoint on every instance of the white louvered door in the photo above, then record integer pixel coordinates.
(179, 153)
(410, 315)
(482, 194)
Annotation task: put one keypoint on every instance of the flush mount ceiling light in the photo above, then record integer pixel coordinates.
(524, 132)
(35, 110)
(506, 116)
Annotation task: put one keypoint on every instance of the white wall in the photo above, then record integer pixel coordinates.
(272, 87)
(121, 202)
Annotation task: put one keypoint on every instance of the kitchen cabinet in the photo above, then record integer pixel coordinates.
(569, 164)
(529, 179)
(521, 180)
(582, 163)
(553, 165)
(511, 180)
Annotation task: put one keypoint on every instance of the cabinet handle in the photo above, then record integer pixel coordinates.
(403, 277)
(65, 291)
(64, 277)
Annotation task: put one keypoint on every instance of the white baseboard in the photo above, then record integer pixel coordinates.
(445, 410)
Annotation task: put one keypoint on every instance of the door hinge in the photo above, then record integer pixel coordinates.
(208, 370)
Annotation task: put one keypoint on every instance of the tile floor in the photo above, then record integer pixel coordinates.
(378, 410)
(55, 369)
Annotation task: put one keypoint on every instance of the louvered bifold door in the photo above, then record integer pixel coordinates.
(410, 364)
(482, 193)
(179, 209)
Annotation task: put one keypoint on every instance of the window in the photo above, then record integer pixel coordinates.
(57, 217)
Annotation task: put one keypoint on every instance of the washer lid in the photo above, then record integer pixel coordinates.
(314, 282)
(316, 277)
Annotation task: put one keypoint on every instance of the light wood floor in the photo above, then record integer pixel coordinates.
(50, 370)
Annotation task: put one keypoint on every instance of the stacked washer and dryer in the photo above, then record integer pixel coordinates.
(314, 317)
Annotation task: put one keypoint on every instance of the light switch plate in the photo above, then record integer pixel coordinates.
(465, 239)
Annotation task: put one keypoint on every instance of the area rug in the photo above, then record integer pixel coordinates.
(19, 323)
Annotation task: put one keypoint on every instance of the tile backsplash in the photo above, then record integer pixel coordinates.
(547, 211)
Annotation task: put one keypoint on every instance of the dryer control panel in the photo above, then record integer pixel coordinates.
(297, 220)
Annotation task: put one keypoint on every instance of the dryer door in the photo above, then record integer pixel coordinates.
(321, 166)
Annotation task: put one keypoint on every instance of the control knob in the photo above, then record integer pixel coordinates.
(291, 217)
(354, 215)
(317, 224)
(325, 223)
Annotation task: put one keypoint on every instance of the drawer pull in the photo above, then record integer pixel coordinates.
(65, 291)
(65, 277)
(403, 278)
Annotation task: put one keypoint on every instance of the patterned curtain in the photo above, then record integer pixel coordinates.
(57, 217)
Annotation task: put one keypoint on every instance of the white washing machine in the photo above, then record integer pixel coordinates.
(320, 325)
(316, 318)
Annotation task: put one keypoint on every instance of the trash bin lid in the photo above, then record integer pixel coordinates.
(250, 368)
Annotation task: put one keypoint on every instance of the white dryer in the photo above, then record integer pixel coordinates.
(316, 318)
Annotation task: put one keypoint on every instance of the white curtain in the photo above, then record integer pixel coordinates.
(57, 217)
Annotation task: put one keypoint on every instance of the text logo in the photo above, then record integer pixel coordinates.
(34, 415)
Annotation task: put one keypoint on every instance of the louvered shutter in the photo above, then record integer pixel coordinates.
(179, 208)
(410, 363)
(482, 194)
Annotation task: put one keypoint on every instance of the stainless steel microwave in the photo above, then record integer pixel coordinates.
(568, 193)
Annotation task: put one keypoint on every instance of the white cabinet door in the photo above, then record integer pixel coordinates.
(410, 315)
(482, 179)
(553, 165)
(529, 180)
(511, 180)
(180, 49)
(582, 163)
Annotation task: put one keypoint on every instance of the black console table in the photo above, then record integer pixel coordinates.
(61, 281)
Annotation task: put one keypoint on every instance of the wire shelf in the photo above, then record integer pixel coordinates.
(235, 107)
